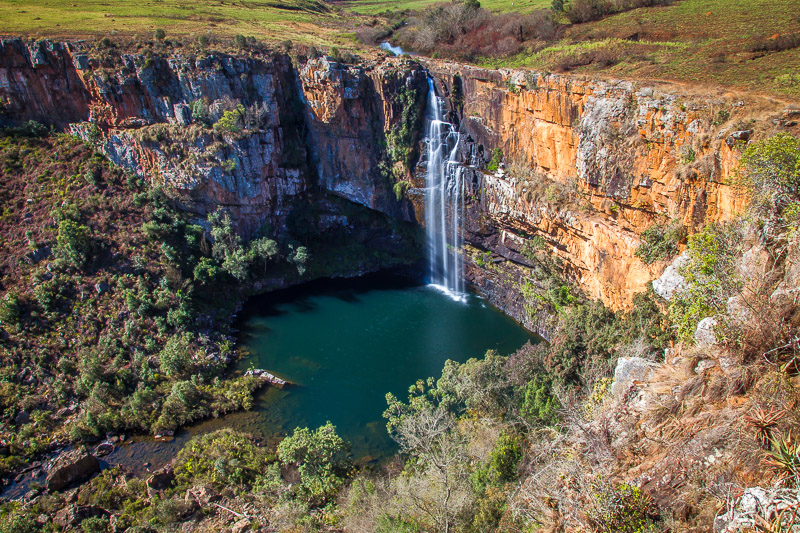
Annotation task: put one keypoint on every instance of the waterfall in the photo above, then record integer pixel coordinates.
(444, 201)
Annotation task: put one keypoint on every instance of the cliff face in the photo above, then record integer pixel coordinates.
(588, 164)
(315, 128)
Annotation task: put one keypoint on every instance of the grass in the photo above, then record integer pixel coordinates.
(372, 7)
(692, 41)
(306, 21)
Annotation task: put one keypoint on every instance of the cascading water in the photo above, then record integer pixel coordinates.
(444, 200)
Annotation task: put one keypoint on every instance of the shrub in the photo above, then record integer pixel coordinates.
(772, 175)
(48, 294)
(660, 242)
(299, 258)
(73, 242)
(401, 188)
(222, 458)
(497, 158)
(320, 458)
(10, 310)
(231, 121)
(579, 11)
(710, 276)
(176, 357)
(622, 508)
(501, 466)
(537, 404)
(160, 34)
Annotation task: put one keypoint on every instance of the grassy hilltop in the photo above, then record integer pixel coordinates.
(753, 46)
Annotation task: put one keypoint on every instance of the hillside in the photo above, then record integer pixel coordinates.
(749, 46)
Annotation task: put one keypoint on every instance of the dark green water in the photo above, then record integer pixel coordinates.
(347, 344)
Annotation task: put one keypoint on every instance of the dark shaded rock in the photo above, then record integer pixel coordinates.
(72, 467)
(101, 287)
(37, 255)
(23, 417)
(72, 516)
(161, 479)
(742, 135)
(104, 448)
(183, 114)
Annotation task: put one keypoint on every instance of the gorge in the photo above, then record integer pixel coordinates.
(211, 184)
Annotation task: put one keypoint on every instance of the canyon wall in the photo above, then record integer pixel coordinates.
(586, 165)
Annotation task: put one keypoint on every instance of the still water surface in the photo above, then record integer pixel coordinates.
(344, 344)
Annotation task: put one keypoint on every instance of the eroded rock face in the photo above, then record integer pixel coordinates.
(71, 467)
(640, 155)
(671, 279)
(314, 126)
(620, 156)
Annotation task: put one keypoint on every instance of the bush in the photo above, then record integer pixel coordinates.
(660, 242)
(73, 242)
(176, 357)
(579, 11)
(222, 458)
(710, 275)
(10, 310)
(231, 121)
(320, 457)
(160, 34)
(299, 258)
(772, 176)
(497, 158)
(622, 508)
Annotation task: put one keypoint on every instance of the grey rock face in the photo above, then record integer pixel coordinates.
(671, 280)
(629, 369)
(704, 335)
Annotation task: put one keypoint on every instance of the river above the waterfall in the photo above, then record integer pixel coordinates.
(344, 344)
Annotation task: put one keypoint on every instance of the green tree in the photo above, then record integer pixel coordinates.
(263, 249)
(299, 257)
(772, 175)
(175, 358)
(10, 310)
(73, 242)
(710, 277)
(320, 457)
(231, 121)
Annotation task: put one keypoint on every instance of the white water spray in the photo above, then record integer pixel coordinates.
(444, 201)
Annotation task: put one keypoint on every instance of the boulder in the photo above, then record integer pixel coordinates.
(671, 280)
(101, 287)
(104, 448)
(71, 467)
(161, 479)
(629, 369)
(704, 335)
(38, 255)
